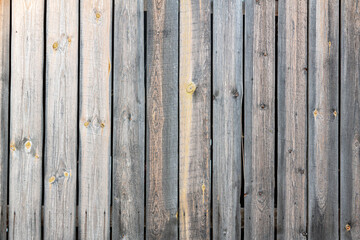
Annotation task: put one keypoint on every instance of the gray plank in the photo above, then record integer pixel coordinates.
(259, 119)
(195, 119)
(227, 118)
(26, 111)
(95, 118)
(350, 120)
(4, 109)
(162, 120)
(292, 120)
(61, 119)
(129, 121)
(323, 119)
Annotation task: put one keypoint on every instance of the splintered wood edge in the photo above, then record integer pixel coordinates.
(276, 7)
(77, 217)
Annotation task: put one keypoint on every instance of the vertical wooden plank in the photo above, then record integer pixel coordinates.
(162, 120)
(323, 118)
(259, 119)
(95, 118)
(292, 120)
(195, 119)
(4, 109)
(129, 121)
(61, 118)
(26, 129)
(350, 120)
(227, 118)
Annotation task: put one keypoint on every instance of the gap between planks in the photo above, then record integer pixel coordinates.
(243, 7)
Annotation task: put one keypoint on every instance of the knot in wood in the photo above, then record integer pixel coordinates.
(191, 87)
(235, 93)
(348, 227)
(52, 179)
(28, 145)
(55, 46)
(315, 112)
(12, 147)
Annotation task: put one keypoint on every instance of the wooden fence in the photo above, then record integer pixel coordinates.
(179, 119)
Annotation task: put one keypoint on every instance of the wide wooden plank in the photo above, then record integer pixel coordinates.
(195, 119)
(61, 118)
(162, 120)
(26, 129)
(350, 120)
(227, 118)
(4, 109)
(259, 119)
(292, 120)
(323, 119)
(129, 121)
(95, 118)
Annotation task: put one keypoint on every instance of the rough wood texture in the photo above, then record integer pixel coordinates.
(323, 117)
(227, 118)
(26, 130)
(195, 119)
(95, 118)
(129, 121)
(162, 120)
(259, 119)
(350, 120)
(292, 120)
(61, 118)
(4, 109)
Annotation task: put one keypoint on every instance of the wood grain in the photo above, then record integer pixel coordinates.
(129, 121)
(292, 120)
(350, 120)
(227, 118)
(4, 110)
(195, 119)
(26, 129)
(95, 118)
(259, 119)
(162, 120)
(323, 119)
(61, 118)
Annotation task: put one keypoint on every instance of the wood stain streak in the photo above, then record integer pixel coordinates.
(26, 117)
(195, 97)
(323, 132)
(95, 107)
(162, 119)
(350, 121)
(4, 110)
(129, 121)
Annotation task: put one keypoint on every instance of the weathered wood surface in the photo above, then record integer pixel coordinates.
(95, 118)
(227, 118)
(350, 120)
(259, 119)
(128, 193)
(162, 120)
(61, 118)
(323, 119)
(212, 8)
(26, 111)
(4, 110)
(292, 120)
(195, 119)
